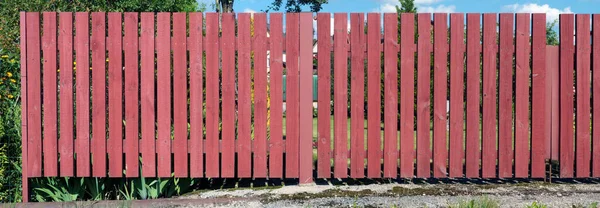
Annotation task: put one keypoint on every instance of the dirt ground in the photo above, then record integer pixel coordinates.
(377, 194)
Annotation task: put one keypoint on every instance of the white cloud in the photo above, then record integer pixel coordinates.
(439, 8)
(551, 13)
(387, 7)
(248, 10)
(427, 1)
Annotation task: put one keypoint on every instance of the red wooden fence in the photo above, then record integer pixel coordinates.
(203, 98)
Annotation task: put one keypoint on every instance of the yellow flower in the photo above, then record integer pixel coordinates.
(106, 59)
(12, 61)
(74, 63)
(58, 70)
(90, 68)
(0, 96)
(13, 80)
(1, 83)
(10, 96)
(4, 56)
(8, 74)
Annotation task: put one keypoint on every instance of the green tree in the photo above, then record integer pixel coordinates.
(223, 6)
(406, 6)
(296, 5)
(551, 34)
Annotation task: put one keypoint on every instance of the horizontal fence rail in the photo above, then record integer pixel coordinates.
(398, 95)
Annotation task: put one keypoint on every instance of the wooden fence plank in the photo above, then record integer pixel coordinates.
(306, 98)
(423, 99)
(276, 93)
(115, 100)
(98, 46)
(552, 66)
(131, 50)
(34, 103)
(212, 95)
(522, 73)
(407, 96)
(566, 95)
(473, 88)
(82, 51)
(324, 85)
(340, 55)
(24, 105)
(65, 143)
(596, 95)
(180, 141)
(373, 94)
(196, 97)
(505, 96)
(357, 128)
(583, 95)
(540, 137)
(163, 94)
(228, 132)
(489, 132)
(49, 85)
(292, 95)
(147, 98)
(390, 70)
(260, 96)
(440, 90)
(244, 159)
(457, 110)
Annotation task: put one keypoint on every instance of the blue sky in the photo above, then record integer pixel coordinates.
(551, 7)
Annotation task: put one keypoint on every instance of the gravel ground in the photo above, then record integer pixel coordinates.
(519, 194)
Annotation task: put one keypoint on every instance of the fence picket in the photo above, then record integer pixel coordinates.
(566, 120)
(228, 87)
(522, 73)
(276, 146)
(490, 48)
(540, 115)
(324, 88)
(407, 96)
(82, 86)
(473, 88)
(390, 71)
(440, 90)
(292, 125)
(505, 96)
(423, 99)
(596, 95)
(243, 101)
(163, 94)
(49, 96)
(373, 95)
(457, 110)
(131, 51)
(357, 124)
(98, 44)
(212, 95)
(180, 120)
(147, 98)
(196, 96)
(34, 103)
(260, 96)
(583, 95)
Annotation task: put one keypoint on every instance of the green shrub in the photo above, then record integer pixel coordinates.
(483, 202)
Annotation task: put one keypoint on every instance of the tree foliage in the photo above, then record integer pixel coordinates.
(551, 34)
(296, 5)
(406, 6)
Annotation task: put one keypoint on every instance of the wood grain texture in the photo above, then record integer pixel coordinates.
(540, 115)
(147, 98)
(596, 95)
(276, 147)
(407, 95)
(473, 88)
(567, 64)
(440, 91)
(244, 158)
(34, 103)
(583, 78)
(98, 47)
(423, 91)
(324, 93)
(228, 87)
(195, 46)
(49, 95)
(163, 94)
(180, 120)
(131, 50)
(457, 105)
(390, 74)
(522, 74)
(82, 92)
(373, 95)
(505, 95)
(489, 124)
(357, 90)
(292, 96)
(260, 96)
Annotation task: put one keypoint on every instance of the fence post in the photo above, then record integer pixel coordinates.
(305, 67)
(23, 46)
